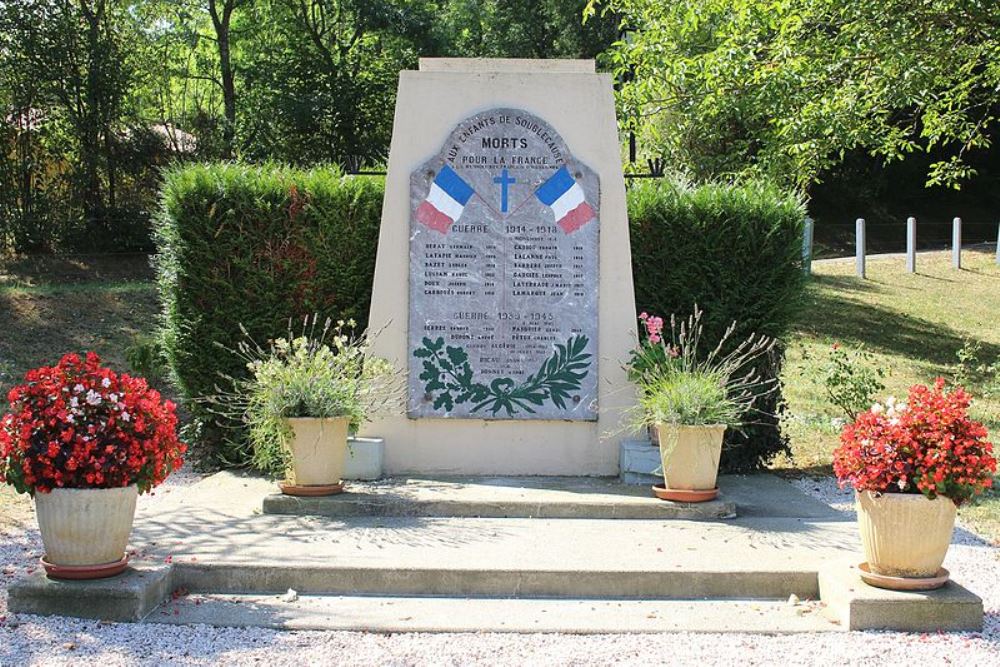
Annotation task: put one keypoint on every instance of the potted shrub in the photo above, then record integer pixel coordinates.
(911, 465)
(85, 442)
(304, 395)
(690, 395)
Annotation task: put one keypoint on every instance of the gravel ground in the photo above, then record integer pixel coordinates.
(32, 640)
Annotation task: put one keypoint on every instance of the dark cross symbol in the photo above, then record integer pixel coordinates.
(503, 180)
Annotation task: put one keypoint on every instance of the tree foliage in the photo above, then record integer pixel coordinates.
(97, 95)
(786, 87)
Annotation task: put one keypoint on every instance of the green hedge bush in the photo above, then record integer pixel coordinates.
(736, 251)
(255, 246)
(259, 245)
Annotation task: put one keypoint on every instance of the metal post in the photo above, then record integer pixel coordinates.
(859, 257)
(956, 243)
(998, 244)
(807, 246)
(911, 245)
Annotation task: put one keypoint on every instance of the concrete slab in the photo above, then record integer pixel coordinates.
(765, 495)
(129, 596)
(500, 497)
(422, 614)
(858, 606)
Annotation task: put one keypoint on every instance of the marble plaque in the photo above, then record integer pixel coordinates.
(504, 233)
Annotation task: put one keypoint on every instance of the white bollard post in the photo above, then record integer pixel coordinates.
(859, 245)
(911, 245)
(956, 243)
(807, 246)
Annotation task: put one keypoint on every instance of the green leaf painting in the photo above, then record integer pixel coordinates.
(449, 379)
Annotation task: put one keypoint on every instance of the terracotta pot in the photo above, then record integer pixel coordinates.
(86, 529)
(319, 451)
(689, 455)
(905, 534)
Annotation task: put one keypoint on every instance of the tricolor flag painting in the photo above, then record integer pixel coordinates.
(445, 202)
(565, 197)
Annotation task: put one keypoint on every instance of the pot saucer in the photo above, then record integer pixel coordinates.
(903, 583)
(685, 495)
(311, 489)
(82, 572)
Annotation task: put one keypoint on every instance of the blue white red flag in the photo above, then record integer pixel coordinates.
(445, 202)
(565, 197)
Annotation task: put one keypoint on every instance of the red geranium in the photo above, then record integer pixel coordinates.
(927, 445)
(79, 425)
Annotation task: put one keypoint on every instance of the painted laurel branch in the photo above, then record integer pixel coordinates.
(449, 379)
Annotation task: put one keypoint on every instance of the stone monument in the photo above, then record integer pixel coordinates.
(503, 281)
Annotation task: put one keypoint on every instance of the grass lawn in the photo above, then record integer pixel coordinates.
(913, 324)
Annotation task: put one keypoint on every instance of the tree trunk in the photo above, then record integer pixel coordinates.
(221, 25)
(90, 122)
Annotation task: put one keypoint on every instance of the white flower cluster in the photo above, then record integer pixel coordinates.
(892, 409)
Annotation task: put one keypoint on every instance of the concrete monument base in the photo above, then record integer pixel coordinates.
(209, 556)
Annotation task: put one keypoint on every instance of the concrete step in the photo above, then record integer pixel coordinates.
(497, 578)
(548, 497)
(499, 497)
(436, 614)
(858, 606)
(507, 557)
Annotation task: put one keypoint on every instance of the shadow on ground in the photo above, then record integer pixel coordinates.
(845, 316)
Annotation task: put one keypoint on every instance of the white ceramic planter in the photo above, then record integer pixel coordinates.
(904, 534)
(364, 458)
(83, 527)
(319, 451)
(689, 455)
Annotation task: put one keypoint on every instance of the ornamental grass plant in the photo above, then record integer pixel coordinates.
(321, 372)
(682, 382)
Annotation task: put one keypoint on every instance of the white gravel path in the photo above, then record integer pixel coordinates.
(32, 640)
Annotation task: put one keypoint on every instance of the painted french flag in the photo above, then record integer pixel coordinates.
(565, 197)
(447, 199)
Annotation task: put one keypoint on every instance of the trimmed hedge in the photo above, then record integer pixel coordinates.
(736, 251)
(259, 245)
(255, 246)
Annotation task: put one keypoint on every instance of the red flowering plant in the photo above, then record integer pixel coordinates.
(80, 425)
(928, 445)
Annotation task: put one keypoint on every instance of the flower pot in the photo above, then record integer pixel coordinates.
(689, 457)
(903, 534)
(85, 531)
(318, 453)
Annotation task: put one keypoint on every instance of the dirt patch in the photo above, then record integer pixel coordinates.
(41, 324)
(36, 270)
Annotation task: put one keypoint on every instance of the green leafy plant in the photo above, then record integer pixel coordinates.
(852, 379)
(450, 379)
(144, 356)
(323, 374)
(681, 382)
(979, 375)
